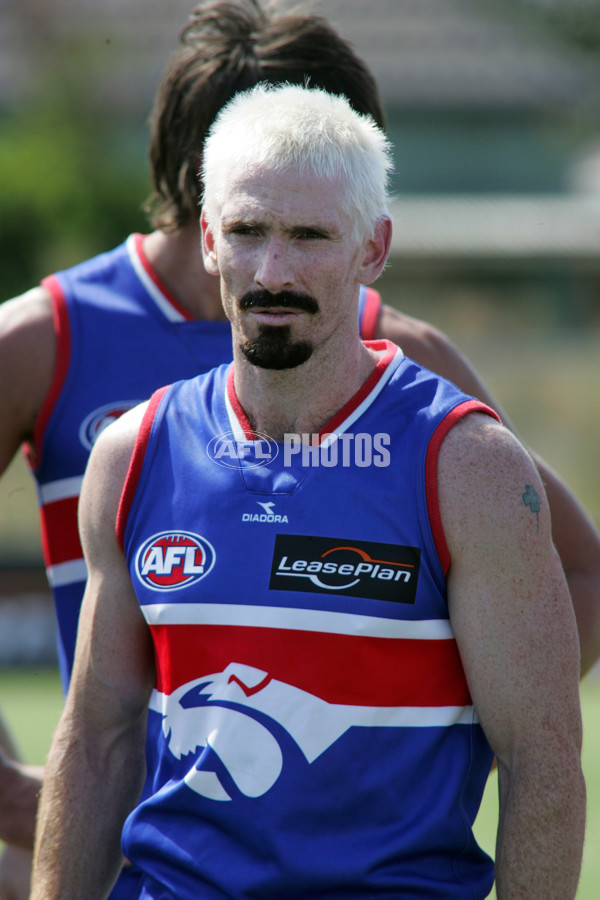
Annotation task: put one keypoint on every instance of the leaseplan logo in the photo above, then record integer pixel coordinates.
(339, 566)
(94, 424)
(171, 560)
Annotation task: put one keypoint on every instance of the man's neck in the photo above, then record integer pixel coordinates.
(176, 257)
(301, 400)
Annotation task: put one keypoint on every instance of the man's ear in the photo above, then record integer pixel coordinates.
(209, 253)
(376, 251)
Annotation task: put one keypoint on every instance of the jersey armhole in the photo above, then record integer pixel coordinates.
(62, 331)
(431, 480)
(135, 466)
(370, 314)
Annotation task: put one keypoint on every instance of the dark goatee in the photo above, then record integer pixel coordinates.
(273, 347)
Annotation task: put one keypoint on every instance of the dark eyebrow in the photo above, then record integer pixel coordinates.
(230, 225)
(235, 223)
(314, 230)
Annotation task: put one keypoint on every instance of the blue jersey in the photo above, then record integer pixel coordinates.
(314, 732)
(120, 336)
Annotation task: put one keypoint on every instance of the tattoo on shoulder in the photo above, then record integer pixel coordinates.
(532, 499)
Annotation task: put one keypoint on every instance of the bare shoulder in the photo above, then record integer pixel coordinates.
(27, 321)
(106, 473)
(27, 360)
(419, 339)
(490, 491)
(480, 443)
(114, 649)
(432, 349)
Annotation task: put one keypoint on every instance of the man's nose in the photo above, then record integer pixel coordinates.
(274, 271)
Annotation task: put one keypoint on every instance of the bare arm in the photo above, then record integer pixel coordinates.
(514, 624)
(27, 359)
(575, 537)
(96, 765)
(19, 788)
(27, 354)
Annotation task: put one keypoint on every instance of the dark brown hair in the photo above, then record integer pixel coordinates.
(229, 46)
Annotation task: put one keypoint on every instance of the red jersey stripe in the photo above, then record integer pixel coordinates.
(338, 668)
(363, 392)
(431, 480)
(370, 316)
(238, 408)
(135, 466)
(153, 276)
(63, 356)
(60, 536)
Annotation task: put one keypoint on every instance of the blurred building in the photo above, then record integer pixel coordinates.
(494, 110)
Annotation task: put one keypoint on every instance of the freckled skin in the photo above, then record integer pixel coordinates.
(287, 232)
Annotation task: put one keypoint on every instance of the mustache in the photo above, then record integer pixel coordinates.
(291, 299)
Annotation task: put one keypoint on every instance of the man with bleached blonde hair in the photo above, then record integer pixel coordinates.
(333, 683)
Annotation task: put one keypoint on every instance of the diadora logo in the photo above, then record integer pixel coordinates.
(95, 423)
(267, 514)
(171, 560)
(338, 566)
(226, 450)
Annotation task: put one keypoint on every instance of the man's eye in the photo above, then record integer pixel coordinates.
(311, 235)
(243, 229)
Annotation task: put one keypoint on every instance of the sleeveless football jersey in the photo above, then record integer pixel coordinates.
(120, 336)
(315, 735)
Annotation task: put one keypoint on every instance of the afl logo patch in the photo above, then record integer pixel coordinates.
(226, 450)
(171, 560)
(94, 424)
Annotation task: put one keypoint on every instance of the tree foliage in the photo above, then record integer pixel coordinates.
(72, 180)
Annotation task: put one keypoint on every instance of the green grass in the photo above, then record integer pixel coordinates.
(32, 700)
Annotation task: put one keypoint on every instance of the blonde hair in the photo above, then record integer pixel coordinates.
(285, 127)
(229, 46)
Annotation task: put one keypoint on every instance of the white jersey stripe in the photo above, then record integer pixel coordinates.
(238, 432)
(374, 716)
(67, 573)
(163, 303)
(294, 620)
(369, 399)
(61, 489)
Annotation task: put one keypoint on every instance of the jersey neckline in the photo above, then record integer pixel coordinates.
(158, 292)
(391, 356)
